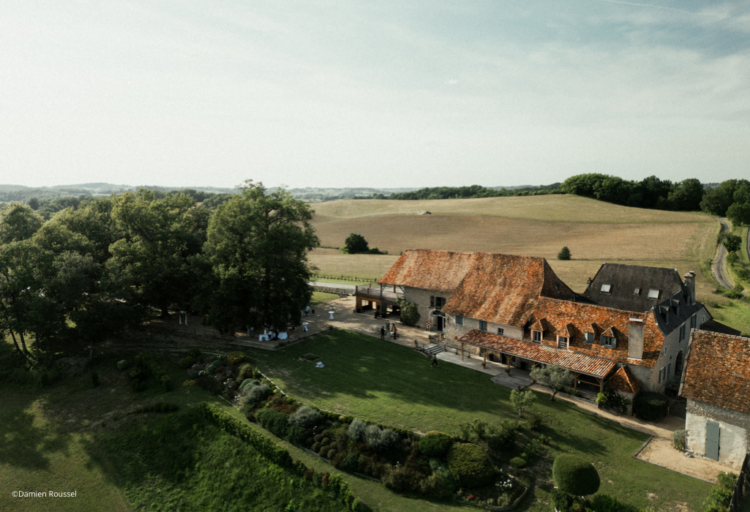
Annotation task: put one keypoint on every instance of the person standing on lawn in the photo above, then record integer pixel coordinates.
(434, 360)
(382, 332)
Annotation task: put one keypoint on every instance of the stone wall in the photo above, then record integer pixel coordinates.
(734, 432)
(421, 298)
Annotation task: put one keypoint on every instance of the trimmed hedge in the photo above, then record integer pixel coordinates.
(435, 444)
(273, 421)
(651, 406)
(469, 465)
(575, 475)
(151, 367)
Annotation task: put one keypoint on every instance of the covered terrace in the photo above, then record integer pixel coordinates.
(586, 369)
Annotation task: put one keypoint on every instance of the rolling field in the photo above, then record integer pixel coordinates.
(536, 226)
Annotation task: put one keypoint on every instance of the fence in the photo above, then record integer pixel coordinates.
(741, 496)
(318, 277)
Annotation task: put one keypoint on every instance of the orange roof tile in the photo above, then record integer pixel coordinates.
(624, 380)
(717, 370)
(429, 269)
(576, 318)
(578, 363)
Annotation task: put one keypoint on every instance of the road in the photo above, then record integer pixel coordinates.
(718, 267)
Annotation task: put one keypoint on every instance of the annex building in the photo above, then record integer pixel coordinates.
(716, 384)
(630, 327)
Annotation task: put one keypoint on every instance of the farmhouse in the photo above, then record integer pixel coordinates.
(716, 384)
(515, 310)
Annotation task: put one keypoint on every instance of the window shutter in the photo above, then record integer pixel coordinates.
(432, 301)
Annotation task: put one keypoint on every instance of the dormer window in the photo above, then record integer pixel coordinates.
(537, 336)
(637, 291)
(562, 342)
(609, 341)
(589, 337)
(653, 293)
(606, 288)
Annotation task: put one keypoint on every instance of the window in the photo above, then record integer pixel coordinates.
(500, 331)
(537, 336)
(437, 302)
(693, 321)
(482, 325)
(562, 342)
(606, 288)
(609, 341)
(459, 320)
(661, 375)
(669, 371)
(653, 293)
(589, 337)
(682, 332)
(637, 291)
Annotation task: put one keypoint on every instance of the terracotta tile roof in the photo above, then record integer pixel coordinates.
(503, 288)
(717, 370)
(576, 362)
(499, 288)
(624, 380)
(429, 270)
(574, 319)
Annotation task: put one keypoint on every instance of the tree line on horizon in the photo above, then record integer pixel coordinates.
(730, 198)
(91, 271)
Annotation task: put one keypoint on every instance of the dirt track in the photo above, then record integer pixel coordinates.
(718, 267)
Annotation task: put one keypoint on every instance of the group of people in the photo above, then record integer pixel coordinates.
(390, 328)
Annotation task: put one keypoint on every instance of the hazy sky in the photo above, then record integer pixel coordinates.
(384, 94)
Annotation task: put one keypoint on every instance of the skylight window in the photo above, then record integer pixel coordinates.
(606, 288)
(637, 291)
(653, 293)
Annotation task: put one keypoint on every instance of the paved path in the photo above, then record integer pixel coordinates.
(718, 266)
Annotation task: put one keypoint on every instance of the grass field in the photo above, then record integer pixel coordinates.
(390, 384)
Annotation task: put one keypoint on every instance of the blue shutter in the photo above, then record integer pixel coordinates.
(712, 440)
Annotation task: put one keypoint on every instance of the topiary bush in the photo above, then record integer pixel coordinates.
(435, 445)
(305, 417)
(651, 406)
(253, 392)
(469, 465)
(575, 475)
(246, 371)
(297, 435)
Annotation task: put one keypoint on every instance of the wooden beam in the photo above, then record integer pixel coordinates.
(462, 351)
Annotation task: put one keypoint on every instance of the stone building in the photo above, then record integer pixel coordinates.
(515, 310)
(716, 383)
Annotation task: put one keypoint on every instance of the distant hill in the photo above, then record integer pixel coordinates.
(310, 194)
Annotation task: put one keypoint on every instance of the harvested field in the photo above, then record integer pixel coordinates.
(395, 233)
(561, 208)
(537, 226)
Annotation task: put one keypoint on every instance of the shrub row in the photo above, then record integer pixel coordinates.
(277, 454)
(146, 365)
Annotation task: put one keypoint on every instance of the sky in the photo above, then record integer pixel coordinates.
(372, 94)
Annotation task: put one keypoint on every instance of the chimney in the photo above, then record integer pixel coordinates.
(690, 285)
(635, 338)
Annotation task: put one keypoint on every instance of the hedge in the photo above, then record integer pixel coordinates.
(276, 454)
(435, 444)
(651, 406)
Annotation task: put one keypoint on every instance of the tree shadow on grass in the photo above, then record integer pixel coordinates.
(26, 438)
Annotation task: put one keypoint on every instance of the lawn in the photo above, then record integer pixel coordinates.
(391, 384)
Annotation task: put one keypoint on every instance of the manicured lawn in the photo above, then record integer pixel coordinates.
(390, 384)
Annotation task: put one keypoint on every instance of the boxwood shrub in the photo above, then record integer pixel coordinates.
(273, 421)
(651, 406)
(435, 445)
(575, 475)
(469, 465)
